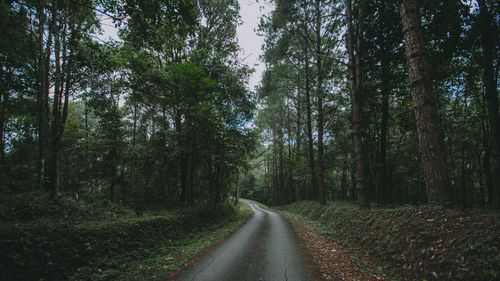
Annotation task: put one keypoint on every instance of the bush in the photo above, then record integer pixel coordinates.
(54, 250)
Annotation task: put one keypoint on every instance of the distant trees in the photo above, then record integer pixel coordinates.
(441, 151)
(386, 102)
(161, 116)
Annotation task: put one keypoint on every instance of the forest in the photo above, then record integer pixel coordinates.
(346, 109)
(159, 117)
(375, 126)
(381, 102)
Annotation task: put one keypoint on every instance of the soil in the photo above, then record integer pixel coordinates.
(334, 262)
(408, 243)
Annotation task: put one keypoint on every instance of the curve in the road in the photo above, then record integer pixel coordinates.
(264, 249)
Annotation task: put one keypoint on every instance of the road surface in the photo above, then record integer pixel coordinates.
(263, 249)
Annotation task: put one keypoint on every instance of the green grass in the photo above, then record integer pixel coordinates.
(262, 205)
(94, 242)
(244, 208)
(161, 261)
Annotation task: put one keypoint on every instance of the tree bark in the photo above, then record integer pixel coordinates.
(62, 85)
(355, 85)
(489, 48)
(275, 182)
(312, 164)
(281, 176)
(43, 93)
(56, 116)
(289, 158)
(385, 187)
(319, 95)
(4, 97)
(297, 148)
(427, 119)
(210, 175)
(309, 127)
(113, 175)
(182, 159)
(134, 140)
(343, 181)
(190, 180)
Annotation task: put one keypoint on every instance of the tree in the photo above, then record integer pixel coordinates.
(427, 119)
(319, 94)
(355, 75)
(489, 39)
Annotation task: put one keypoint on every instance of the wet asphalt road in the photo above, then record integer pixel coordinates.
(264, 249)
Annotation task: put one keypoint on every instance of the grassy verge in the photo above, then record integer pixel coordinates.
(162, 261)
(86, 242)
(412, 243)
(261, 205)
(244, 209)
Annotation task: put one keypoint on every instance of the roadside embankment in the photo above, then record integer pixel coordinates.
(117, 246)
(410, 243)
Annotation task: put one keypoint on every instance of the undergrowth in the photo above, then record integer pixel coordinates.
(415, 243)
(78, 240)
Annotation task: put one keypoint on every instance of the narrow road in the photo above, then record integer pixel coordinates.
(263, 249)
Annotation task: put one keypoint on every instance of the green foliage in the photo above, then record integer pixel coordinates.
(99, 239)
(394, 174)
(161, 116)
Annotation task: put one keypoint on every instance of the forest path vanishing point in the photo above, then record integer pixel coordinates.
(264, 248)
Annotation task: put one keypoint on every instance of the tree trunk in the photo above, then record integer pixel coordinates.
(355, 85)
(480, 169)
(236, 190)
(54, 172)
(113, 175)
(463, 184)
(289, 158)
(489, 48)
(190, 180)
(384, 194)
(297, 149)
(319, 94)
(343, 181)
(56, 118)
(43, 94)
(268, 181)
(275, 184)
(3, 110)
(309, 127)
(218, 182)
(281, 176)
(428, 126)
(385, 88)
(354, 196)
(210, 177)
(182, 159)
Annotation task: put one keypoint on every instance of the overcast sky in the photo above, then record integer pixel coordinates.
(250, 43)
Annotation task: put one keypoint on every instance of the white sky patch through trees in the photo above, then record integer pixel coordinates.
(250, 43)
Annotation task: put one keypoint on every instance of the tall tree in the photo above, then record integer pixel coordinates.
(61, 28)
(489, 37)
(424, 104)
(319, 96)
(354, 52)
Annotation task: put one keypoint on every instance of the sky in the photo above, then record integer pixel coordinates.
(250, 43)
